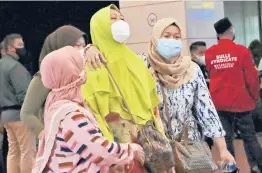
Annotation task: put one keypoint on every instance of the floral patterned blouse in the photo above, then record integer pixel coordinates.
(189, 102)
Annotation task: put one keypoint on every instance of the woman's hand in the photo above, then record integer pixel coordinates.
(94, 57)
(117, 169)
(120, 169)
(139, 153)
(226, 157)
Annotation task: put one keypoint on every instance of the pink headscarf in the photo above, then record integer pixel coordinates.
(63, 73)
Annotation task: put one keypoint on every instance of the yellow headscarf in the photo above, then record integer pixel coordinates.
(134, 79)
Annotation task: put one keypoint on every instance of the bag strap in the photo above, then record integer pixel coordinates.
(185, 129)
(120, 92)
(169, 125)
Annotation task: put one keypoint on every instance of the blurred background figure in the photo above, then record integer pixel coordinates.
(3, 135)
(197, 51)
(234, 87)
(2, 50)
(255, 48)
(14, 83)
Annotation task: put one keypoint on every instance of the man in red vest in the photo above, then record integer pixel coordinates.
(234, 87)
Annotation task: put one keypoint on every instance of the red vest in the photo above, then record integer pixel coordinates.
(234, 84)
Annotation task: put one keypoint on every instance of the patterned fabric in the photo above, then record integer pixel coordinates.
(81, 148)
(188, 102)
(144, 57)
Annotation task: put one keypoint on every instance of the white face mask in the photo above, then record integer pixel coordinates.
(200, 60)
(120, 31)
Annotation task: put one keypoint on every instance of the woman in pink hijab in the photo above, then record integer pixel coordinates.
(72, 140)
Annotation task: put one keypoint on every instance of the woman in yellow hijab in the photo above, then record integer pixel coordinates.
(108, 33)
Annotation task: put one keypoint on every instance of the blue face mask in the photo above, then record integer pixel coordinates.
(169, 48)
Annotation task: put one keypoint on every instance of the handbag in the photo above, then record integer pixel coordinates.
(158, 151)
(190, 157)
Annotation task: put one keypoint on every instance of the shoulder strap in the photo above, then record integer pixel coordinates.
(169, 126)
(120, 92)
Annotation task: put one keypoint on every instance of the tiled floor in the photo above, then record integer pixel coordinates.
(240, 155)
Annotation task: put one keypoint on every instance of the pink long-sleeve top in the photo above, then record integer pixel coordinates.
(81, 148)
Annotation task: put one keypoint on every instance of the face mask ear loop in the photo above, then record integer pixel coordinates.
(73, 84)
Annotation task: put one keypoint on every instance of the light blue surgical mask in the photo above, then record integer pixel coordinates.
(169, 48)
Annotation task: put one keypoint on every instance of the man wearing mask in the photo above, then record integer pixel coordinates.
(14, 82)
(234, 87)
(197, 50)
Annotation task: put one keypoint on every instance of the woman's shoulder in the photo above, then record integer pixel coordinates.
(196, 71)
(67, 107)
(37, 75)
(197, 74)
(143, 56)
(37, 84)
(37, 80)
(78, 114)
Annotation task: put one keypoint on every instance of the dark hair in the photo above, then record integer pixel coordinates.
(174, 24)
(255, 48)
(196, 44)
(9, 40)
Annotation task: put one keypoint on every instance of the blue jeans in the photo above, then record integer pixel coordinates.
(242, 122)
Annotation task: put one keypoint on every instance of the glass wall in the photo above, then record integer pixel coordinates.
(244, 16)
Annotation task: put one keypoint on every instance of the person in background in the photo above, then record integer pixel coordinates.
(3, 137)
(197, 51)
(32, 109)
(14, 83)
(255, 48)
(2, 49)
(2, 169)
(75, 142)
(234, 87)
(182, 88)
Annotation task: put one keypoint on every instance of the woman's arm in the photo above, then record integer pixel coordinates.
(205, 110)
(209, 119)
(33, 103)
(220, 143)
(92, 145)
